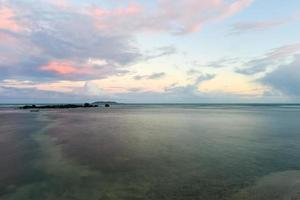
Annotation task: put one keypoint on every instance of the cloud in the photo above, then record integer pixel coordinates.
(204, 77)
(270, 60)
(52, 40)
(64, 40)
(89, 89)
(248, 26)
(242, 27)
(220, 63)
(33, 95)
(193, 72)
(62, 68)
(177, 17)
(28, 92)
(7, 19)
(80, 71)
(14, 91)
(286, 78)
(183, 94)
(191, 89)
(60, 44)
(160, 52)
(190, 15)
(153, 76)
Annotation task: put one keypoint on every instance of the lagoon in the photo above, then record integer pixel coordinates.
(151, 152)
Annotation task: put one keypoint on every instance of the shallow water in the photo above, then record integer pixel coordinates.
(151, 152)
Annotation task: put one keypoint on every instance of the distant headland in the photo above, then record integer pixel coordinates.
(64, 106)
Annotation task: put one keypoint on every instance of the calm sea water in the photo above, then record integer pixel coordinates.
(209, 152)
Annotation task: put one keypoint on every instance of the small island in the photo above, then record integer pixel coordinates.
(103, 103)
(106, 104)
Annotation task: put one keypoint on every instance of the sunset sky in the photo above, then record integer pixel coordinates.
(150, 51)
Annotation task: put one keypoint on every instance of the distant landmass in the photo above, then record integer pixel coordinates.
(105, 102)
(64, 106)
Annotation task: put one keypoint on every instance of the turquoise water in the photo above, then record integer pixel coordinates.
(151, 152)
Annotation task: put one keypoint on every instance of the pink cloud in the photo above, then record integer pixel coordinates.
(182, 16)
(284, 51)
(190, 15)
(236, 7)
(73, 70)
(62, 4)
(8, 44)
(7, 20)
(130, 10)
(7, 39)
(260, 25)
(107, 19)
(62, 68)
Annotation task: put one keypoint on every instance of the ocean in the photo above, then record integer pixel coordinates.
(140, 151)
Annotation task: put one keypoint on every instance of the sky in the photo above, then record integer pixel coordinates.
(150, 51)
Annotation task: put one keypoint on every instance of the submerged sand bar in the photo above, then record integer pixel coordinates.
(276, 186)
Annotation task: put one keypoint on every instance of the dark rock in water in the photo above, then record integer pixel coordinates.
(87, 105)
(29, 107)
(107, 105)
(59, 106)
(102, 103)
